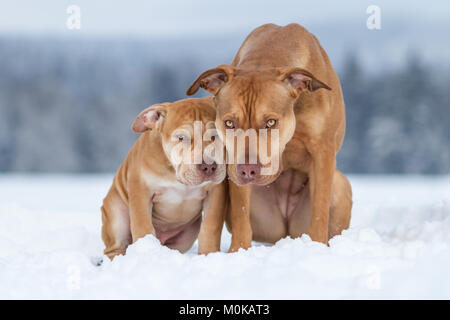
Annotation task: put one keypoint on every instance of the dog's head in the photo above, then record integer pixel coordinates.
(259, 100)
(187, 132)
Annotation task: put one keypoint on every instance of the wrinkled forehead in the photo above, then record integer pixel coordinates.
(186, 116)
(252, 93)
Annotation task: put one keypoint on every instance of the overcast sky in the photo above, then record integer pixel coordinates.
(203, 17)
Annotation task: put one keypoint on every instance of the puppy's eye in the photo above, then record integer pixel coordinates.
(181, 137)
(271, 123)
(229, 124)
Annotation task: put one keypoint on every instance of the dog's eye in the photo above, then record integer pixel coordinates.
(181, 137)
(271, 123)
(229, 124)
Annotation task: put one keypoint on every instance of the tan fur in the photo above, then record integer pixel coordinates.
(283, 73)
(151, 195)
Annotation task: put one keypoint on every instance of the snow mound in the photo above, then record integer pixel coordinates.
(396, 248)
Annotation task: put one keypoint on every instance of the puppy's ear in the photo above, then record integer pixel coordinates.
(212, 80)
(300, 80)
(150, 118)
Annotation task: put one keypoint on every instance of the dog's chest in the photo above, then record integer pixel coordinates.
(282, 196)
(173, 203)
(174, 192)
(178, 193)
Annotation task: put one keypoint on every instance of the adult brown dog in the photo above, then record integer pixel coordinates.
(281, 78)
(154, 193)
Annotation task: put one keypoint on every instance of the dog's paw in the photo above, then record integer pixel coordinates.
(319, 237)
(235, 246)
(208, 250)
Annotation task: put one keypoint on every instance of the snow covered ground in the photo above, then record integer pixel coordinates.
(398, 246)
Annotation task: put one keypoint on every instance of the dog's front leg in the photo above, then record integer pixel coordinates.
(214, 207)
(321, 179)
(140, 210)
(241, 230)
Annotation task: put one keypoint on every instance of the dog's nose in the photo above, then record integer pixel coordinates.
(249, 172)
(207, 169)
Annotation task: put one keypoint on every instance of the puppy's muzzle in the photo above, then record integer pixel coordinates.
(207, 170)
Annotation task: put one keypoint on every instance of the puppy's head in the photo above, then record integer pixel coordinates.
(256, 106)
(188, 138)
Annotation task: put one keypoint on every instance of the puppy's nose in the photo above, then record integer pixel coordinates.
(249, 172)
(207, 169)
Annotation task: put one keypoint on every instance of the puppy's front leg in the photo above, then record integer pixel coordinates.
(140, 210)
(214, 207)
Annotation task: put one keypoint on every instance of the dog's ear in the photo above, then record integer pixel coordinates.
(150, 118)
(212, 80)
(300, 80)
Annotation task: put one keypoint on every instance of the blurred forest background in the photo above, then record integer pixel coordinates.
(67, 102)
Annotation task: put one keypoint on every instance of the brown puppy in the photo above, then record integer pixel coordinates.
(281, 78)
(155, 193)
